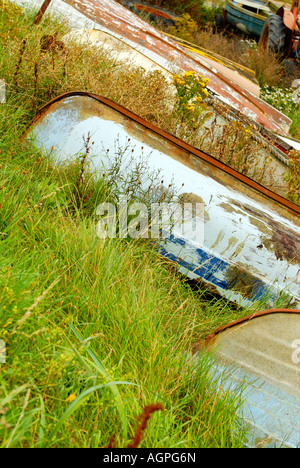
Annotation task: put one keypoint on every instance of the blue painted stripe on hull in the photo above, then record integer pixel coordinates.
(211, 268)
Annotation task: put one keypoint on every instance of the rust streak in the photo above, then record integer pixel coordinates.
(148, 9)
(123, 22)
(41, 12)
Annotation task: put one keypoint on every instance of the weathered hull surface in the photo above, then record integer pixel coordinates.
(153, 12)
(122, 52)
(113, 18)
(159, 48)
(251, 240)
(237, 72)
(246, 21)
(261, 353)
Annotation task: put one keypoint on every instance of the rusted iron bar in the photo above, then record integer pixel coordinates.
(41, 13)
(208, 339)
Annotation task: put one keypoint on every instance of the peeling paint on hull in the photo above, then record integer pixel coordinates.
(242, 75)
(113, 18)
(251, 235)
(118, 50)
(117, 19)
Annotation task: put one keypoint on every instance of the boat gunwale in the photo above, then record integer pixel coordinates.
(209, 338)
(236, 7)
(175, 140)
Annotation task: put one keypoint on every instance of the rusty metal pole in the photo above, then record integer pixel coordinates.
(41, 12)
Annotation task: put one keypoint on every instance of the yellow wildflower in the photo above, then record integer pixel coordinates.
(71, 398)
(190, 73)
(9, 321)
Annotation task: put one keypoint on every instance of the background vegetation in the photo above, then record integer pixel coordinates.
(273, 76)
(96, 332)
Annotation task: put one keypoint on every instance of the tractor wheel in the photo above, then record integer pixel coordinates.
(274, 36)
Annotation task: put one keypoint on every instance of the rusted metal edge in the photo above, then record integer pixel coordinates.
(207, 340)
(119, 20)
(157, 11)
(41, 12)
(180, 143)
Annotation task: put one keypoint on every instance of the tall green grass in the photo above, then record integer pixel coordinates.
(95, 330)
(103, 323)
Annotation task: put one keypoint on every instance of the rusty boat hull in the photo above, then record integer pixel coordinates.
(114, 19)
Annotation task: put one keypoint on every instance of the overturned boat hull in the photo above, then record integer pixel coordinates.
(248, 17)
(153, 12)
(114, 19)
(250, 248)
(259, 355)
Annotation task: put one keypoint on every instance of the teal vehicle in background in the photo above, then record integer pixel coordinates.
(248, 16)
